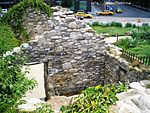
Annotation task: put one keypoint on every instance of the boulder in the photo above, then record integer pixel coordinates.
(137, 86)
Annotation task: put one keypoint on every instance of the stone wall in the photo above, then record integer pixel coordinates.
(119, 69)
(75, 56)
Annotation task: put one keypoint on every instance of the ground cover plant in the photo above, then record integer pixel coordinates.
(95, 99)
(139, 44)
(115, 28)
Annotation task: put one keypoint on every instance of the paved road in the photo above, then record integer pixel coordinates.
(128, 11)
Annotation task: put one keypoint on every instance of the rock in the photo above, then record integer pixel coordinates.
(90, 35)
(73, 25)
(59, 49)
(70, 19)
(31, 104)
(137, 86)
(130, 92)
(127, 106)
(142, 102)
(67, 65)
(144, 83)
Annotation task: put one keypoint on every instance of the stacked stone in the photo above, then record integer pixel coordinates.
(74, 52)
(76, 56)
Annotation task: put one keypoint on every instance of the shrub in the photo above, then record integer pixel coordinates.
(95, 24)
(127, 43)
(13, 83)
(7, 39)
(143, 33)
(94, 99)
(116, 24)
(14, 16)
(128, 25)
(145, 25)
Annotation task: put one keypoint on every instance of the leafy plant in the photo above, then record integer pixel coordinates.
(13, 83)
(116, 24)
(95, 24)
(14, 16)
(128, 25)
(45, 108)
(94, 99)
(7, 38)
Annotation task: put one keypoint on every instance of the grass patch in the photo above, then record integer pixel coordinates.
(143, 49)
(112, 31)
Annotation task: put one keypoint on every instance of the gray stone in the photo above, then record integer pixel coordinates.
(144, 83)
(67, 65)
(89, 35)
(59, 49)
(137, 86)
(72, 25)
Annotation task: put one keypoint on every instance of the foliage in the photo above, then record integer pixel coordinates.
(0, 10)
(116, 24)
(13, 83)
(7, 39)
(127, 43)
(14, 16)
(128, 25)
(45, 108)
(95, 24)
(142, 33)
(95, 99)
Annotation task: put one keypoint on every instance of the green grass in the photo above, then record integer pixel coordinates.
(112, 31)
(142, 49)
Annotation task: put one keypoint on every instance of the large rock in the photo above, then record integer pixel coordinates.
(137, 86)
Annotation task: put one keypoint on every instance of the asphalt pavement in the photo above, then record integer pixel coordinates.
(128, 11)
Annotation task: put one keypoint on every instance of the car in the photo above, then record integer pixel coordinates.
(105, 12)
(109, 8)
(119, 10)
(83, 14)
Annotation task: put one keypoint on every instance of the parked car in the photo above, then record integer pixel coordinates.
(105, 12)
(119, 10)
(83, 14)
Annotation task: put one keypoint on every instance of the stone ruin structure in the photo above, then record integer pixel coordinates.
(75, 56)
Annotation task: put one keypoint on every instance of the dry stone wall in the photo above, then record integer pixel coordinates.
(75, 56)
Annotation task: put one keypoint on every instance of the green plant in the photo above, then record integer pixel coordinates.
(128, 25)
(13, 83)
(95, 24)
(116, 24)
(44, 108)
(127, 43)
(14, 16)
(7, 39)
(94, 99)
